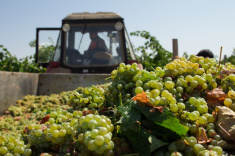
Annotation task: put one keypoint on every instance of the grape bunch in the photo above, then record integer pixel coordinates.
(122, 83)
(10, 146)
(229, 66)
(228, 83)
(90, 97)
(230, 100)
(201, 108)
(182, 87)
(193, 66)
(210, 65)
(96, 134)
(77, 124)
(73, 132)
(196, 75)
(58, 130)
(189, 146)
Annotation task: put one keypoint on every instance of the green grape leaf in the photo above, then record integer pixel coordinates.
(164, 119)
(130, 117)
(139, 141)
(124, 110)
(156, 143)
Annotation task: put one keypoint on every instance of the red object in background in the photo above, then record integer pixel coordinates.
(132, 61)
(55, 67)
(54, 64)
(135, 61)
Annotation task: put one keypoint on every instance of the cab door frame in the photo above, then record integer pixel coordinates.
(44, 64)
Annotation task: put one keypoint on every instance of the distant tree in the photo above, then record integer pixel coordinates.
(8, 62)
(185, 54)
(230, 59)
(45, 53)
(152, 52)
(32, 43)
(233, 52)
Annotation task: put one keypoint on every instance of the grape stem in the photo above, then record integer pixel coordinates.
(219, 69)
(153, 68)
(217, 73)
(111, 77)
(120, 99)
(220, 55)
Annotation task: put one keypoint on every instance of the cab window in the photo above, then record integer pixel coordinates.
(93, 45)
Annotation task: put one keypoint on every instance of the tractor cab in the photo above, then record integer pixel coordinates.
(86, 43)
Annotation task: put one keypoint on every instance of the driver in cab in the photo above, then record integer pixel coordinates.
(97, 45)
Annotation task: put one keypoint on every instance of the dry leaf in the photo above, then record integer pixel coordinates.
(202, 137)
(45, 119)
(185, 95)
(1, 117)
(225, 123)
(17, 118)
(26, 130)
(142, 99)
(225, 72)
(84, 113)
(160, 109)
(216, 97)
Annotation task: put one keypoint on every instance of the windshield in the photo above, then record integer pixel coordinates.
(93, 45)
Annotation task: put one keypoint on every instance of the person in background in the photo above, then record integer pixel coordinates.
(97, 43)
(205, 53)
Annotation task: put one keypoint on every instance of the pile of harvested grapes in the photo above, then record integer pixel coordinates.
(186, 108)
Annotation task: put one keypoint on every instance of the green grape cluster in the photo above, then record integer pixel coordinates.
(60, 129)
(182, 67)
(209, 65)
(228, 83)
(89, 97)
(97, 133)
(15, 124)
(122, 83)
(76, 131)
(10, 146)
(197, 83)
(37, 137)
(189, 146)
(193, 77)
(201, 108)
(211, 133)
(230, 100)
(229, 65)
(33, 109)
(32, 103)
(78, 128)
(192, 66)
(194, 73)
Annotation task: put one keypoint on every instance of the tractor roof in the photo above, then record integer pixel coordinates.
(89, 16)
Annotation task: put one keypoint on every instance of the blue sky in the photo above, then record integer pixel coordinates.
(198, 24)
